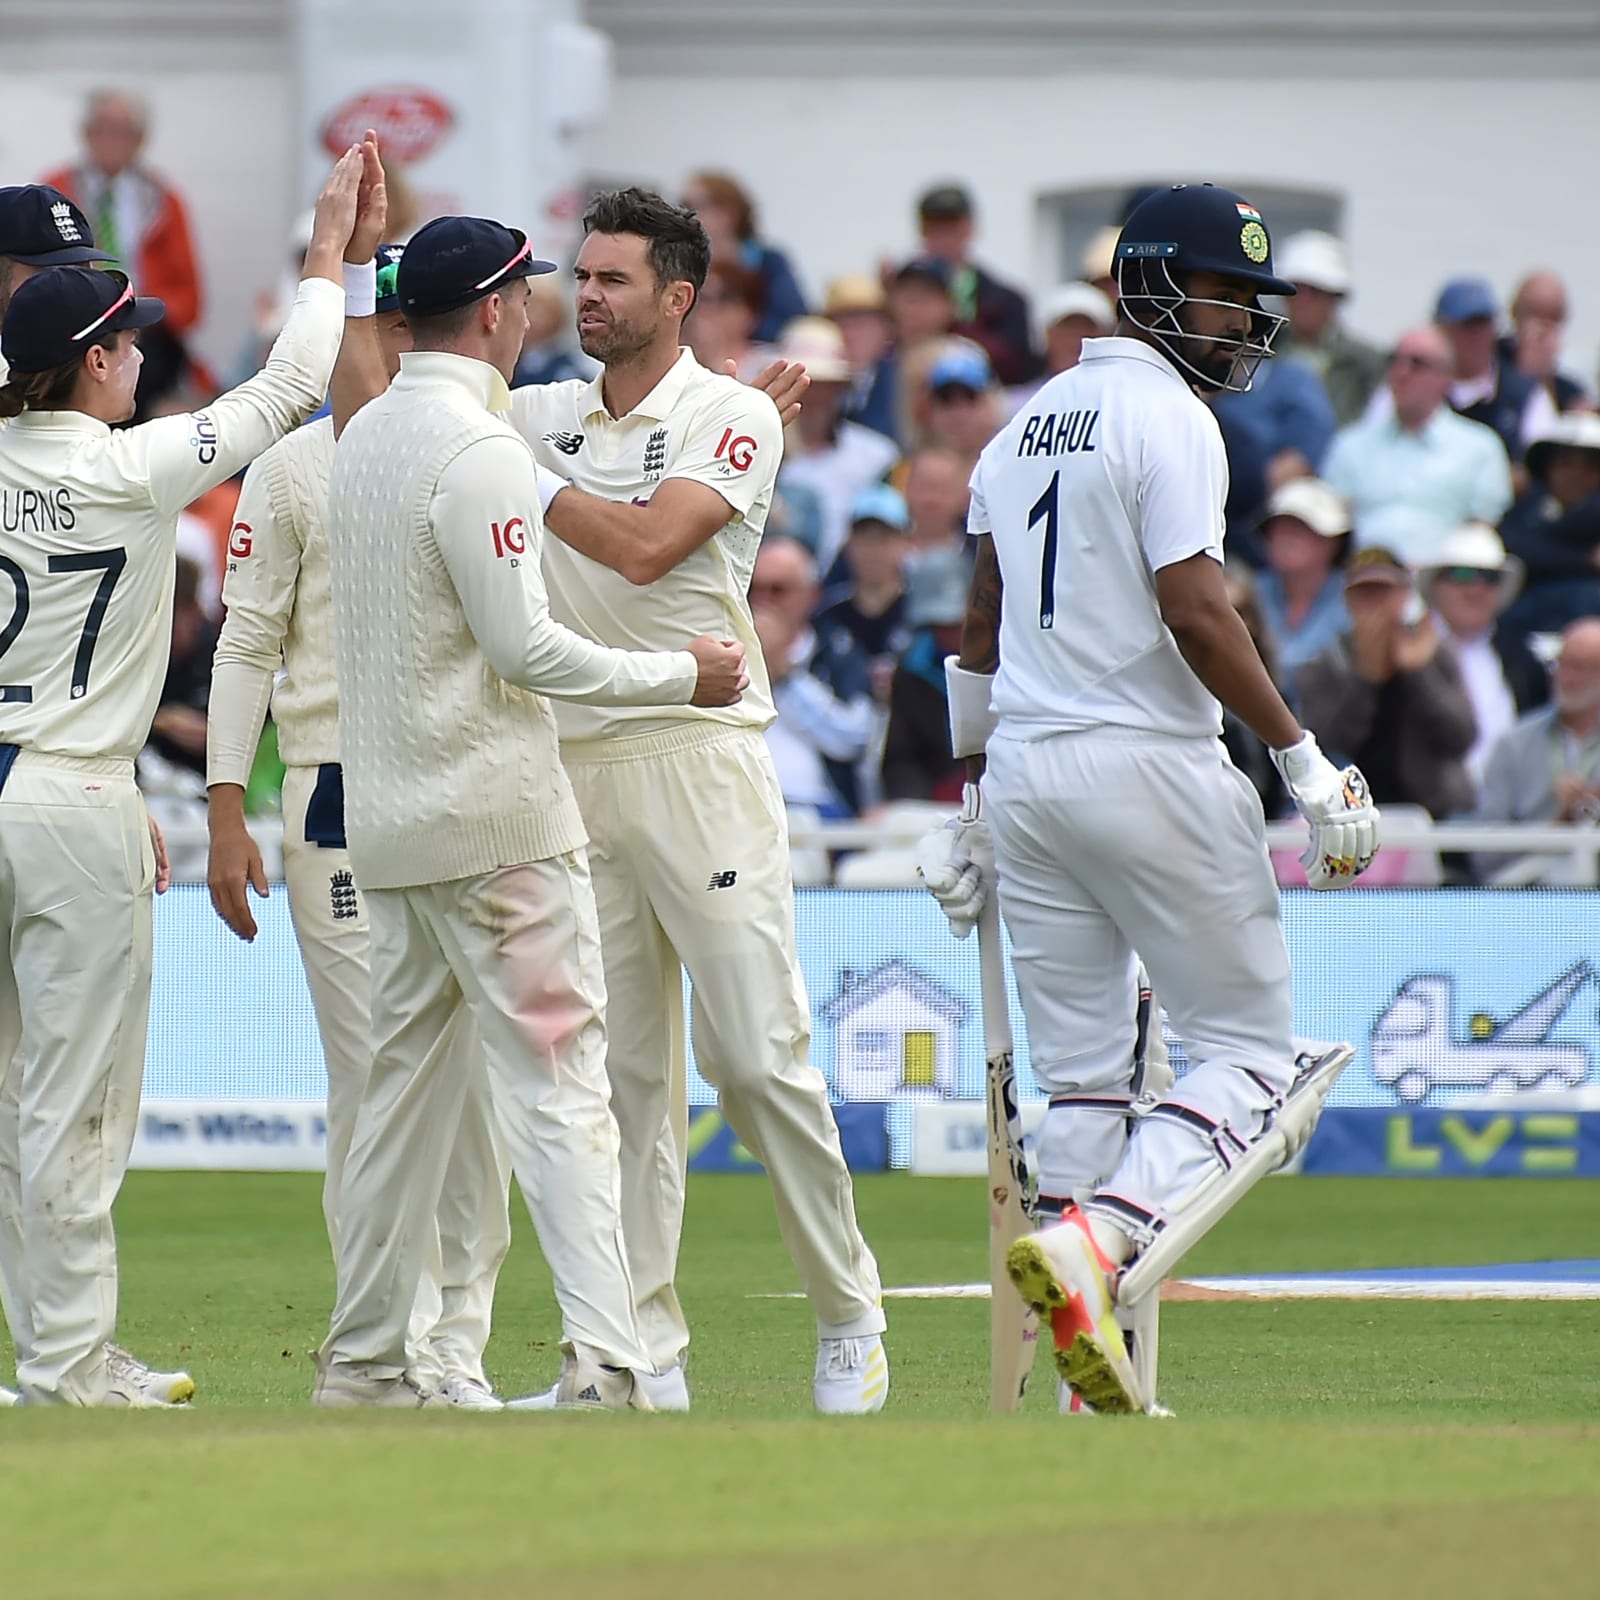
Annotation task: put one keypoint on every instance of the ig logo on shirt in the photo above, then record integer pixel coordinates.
(736, 454)
(510, 539)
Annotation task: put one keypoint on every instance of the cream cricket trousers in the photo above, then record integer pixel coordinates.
(451, 1320)
(518, 953)
(689, 846)
(1111, 841)
(77, 875)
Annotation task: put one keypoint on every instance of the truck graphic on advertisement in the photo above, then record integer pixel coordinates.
(1414, 1050)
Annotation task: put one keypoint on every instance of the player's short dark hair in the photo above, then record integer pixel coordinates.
(430, 333)
(50, 390)
(678, 249)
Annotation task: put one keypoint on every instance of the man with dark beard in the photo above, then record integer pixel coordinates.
(671, 470)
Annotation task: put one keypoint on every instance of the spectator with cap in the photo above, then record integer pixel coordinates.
(821, 686)
(1484, 388)
(1469, 586)
(1533, 347)
(1546, 767)
(921, 306)
(869, 607)
(1070, 314)
(722, 325)
(917, 763)
(859, 307)
(142, 222)
(1300, 594)
(1412, 469)
(1554, 529)
(1350, 369)
(1388, 695)
(823, 451)
(987, 311)
(963, 410)
(39, 227)
(728, 215)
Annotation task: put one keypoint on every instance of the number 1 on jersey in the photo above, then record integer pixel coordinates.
(1045, 509)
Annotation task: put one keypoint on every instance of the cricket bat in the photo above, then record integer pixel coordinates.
(1013, 1326)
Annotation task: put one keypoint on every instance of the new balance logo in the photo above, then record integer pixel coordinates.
(342, 897)
(66, 226)
(569, 444)
(722, 880)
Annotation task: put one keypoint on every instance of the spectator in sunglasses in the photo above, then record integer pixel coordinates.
(1555, 527)
(1473, 583)
(1412, 469)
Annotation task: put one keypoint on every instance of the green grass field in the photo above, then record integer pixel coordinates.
(1321, 1448)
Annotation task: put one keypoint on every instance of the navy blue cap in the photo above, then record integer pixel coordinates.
(41, 227)
(935, 269)
(388, 264)
(456, 260)
(1201, 228)
(1462, 299)
(59, 313)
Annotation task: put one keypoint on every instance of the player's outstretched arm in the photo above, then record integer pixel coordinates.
(359, 374)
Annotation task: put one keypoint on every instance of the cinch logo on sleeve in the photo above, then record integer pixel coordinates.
(205, 438)
(738, 453)
(240, 543)
(510, 538)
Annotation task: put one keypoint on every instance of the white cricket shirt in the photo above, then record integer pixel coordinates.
(694, 424)
(1110, 472)
(278, 591)
(88, 540)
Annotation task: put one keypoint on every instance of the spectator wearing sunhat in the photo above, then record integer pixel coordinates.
(859, 306)
(824, 451)
(1470, 584)
(1068, 315)
(1350, 369)
(988, 312)
(1388, 695)
(1305, 533)
(917, 762)
(1484, 388)
(1554, 528)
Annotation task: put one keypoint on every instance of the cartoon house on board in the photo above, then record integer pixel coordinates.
(1414, 1050)
(895, 1029)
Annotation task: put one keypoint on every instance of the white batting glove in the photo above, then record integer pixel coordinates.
(956, 863)
(1338, 806)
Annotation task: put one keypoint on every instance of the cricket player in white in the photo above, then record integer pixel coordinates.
(1118, 822)
(88, 531)
(463, 830)
(279, 596)
(672, 470)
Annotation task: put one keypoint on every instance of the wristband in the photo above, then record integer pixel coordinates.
(360, 288)
(550, 485)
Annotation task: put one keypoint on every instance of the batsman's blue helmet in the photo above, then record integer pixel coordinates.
(1171, 235)
(1197, 227)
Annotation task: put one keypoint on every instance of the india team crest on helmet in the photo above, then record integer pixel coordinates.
(1253, 241)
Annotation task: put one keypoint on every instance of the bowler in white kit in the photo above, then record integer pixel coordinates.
(1098, 643)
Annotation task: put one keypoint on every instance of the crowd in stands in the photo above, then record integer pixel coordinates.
(1413, 532)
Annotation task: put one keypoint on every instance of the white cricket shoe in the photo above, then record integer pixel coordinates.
(132, 1383)
(340, 1389)
(852, 1376)
(468, 1394)
(9, 1397)
(586, 1384)
(666, 1391)
(1062, 1274)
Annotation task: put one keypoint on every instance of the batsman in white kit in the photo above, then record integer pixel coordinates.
(278, 591)
(464, 833)
(88, 530)
(1098, 642)
(672, 469)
